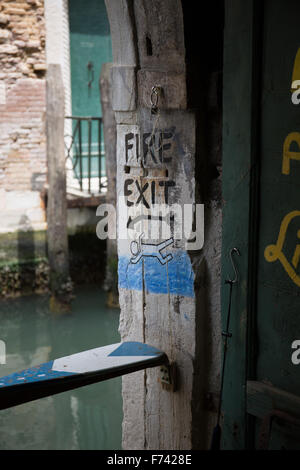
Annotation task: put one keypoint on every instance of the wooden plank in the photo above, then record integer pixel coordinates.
(263, 398)
(93, 201)
(238, 189)
(77, 370)
(278, 412)
(278, 279)
(110, 141)
(57, 200)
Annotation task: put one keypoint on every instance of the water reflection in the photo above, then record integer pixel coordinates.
(86, 418)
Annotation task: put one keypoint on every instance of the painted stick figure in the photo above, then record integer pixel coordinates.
(152, 250)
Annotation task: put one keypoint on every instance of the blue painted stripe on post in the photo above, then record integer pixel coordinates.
(175, 277)
(130, 275)
(132, 348)
(34, 374)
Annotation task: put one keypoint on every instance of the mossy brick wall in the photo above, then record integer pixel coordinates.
(22, 113)
(23, 263)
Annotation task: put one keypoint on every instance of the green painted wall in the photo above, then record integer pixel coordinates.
(278, 293)
(261, 43)
(238, 168)
(90, 43)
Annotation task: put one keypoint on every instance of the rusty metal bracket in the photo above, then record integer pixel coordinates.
(168, 375)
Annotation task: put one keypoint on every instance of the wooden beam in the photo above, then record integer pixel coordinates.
(277, 410)
(60, 283)
(263, 398)
(239, 219)
(92, 201)
(110, 141)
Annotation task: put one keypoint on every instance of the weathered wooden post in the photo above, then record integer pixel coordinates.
(60, 282)
(110, 141)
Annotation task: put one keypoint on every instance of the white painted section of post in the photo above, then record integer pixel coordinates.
(58, 42)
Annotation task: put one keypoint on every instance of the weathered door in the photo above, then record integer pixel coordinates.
(262, 218)
(90, 47)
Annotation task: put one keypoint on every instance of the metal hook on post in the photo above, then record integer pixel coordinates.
(233, 281)
(156, 91)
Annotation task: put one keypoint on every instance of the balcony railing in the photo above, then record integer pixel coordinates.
(85, 154)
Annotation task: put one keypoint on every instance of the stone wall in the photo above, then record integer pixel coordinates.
(22, 115)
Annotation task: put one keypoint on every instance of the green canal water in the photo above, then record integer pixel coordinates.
(87, 418)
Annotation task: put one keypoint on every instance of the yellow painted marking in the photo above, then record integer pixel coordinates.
(296, 257)
(274, 252)
(287, 154)
(296, 69)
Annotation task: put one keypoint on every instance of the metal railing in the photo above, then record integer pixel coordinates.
(85, 153)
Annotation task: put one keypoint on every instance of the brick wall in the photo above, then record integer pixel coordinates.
(22, 113)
